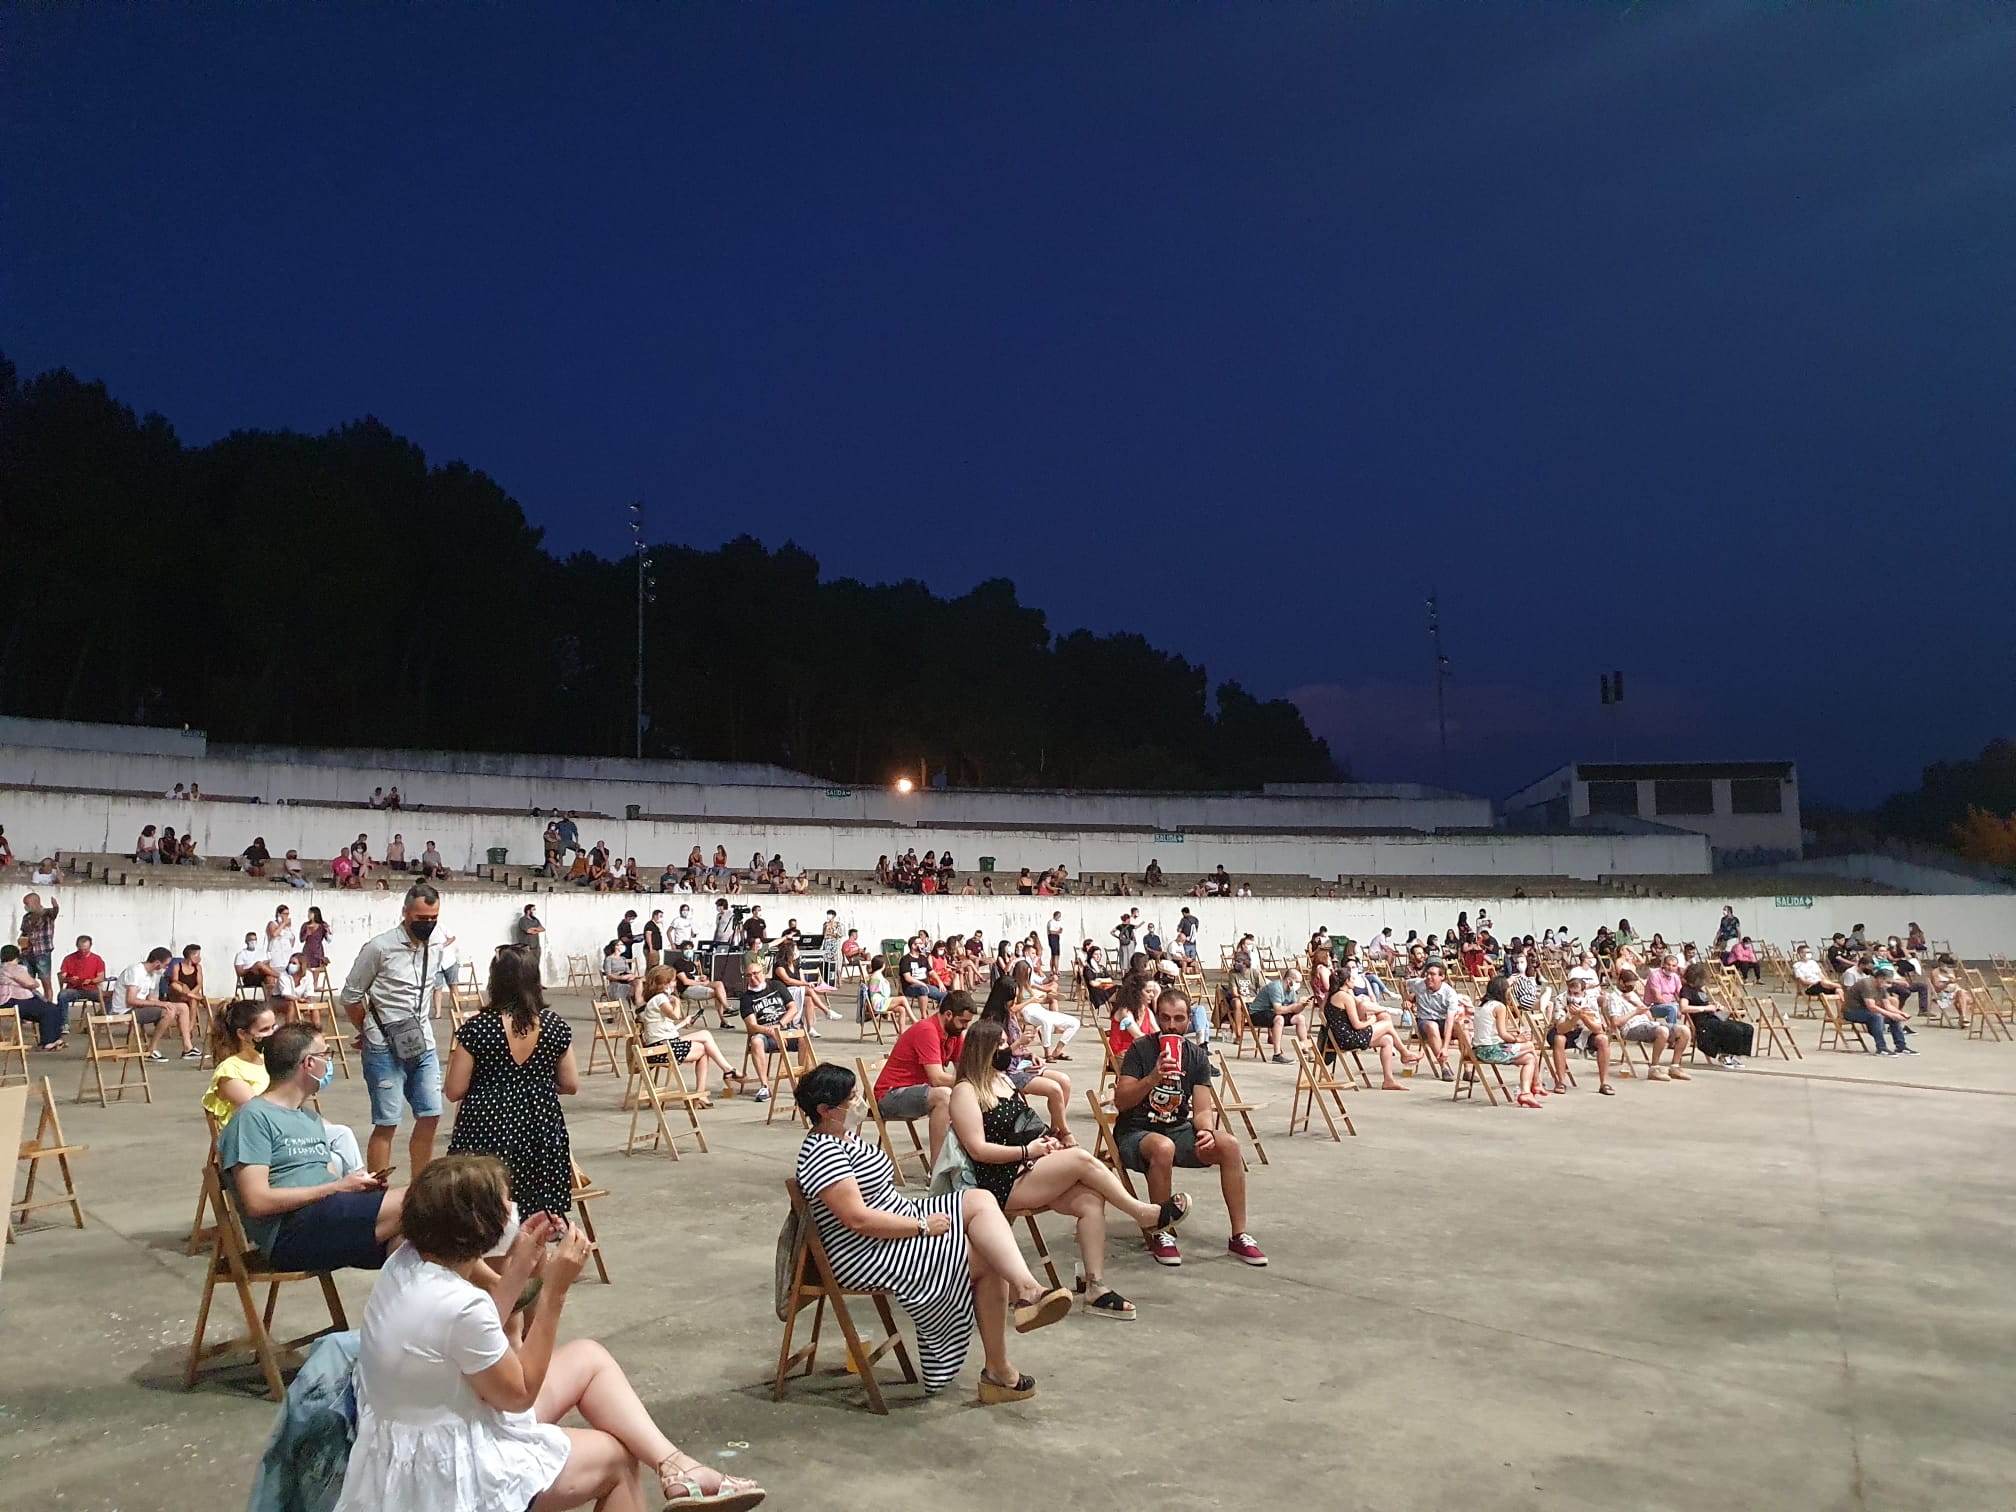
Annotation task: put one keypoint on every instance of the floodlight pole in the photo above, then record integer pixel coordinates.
(1441, 680)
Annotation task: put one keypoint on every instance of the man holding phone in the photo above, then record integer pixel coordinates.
(1168, 1117)
(298, 1212)
(386, 996)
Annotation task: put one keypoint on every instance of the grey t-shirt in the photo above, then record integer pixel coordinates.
(1436, 1006)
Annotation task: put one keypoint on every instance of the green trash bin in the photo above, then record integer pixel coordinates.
(497, 853)
(986, 863)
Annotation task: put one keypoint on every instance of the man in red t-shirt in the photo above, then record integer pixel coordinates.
(82, 976)
(916, 1082)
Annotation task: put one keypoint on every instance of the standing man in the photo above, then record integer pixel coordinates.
(386, 997)
(570, 835)
(1055, 933)
(38, 940)
(1186, 935)
(654, 938)
(725, 933)
(526, 931)
(1731, 928)
(829, 948)
(683, 932)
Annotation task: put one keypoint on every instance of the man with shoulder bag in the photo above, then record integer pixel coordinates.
(386, 996)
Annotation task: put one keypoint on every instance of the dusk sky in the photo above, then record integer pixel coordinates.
(1675, 338)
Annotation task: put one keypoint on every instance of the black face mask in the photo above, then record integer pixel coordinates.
(420, 929)
(1003, 1059)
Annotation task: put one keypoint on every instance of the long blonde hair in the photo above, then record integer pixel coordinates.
(976, 1060)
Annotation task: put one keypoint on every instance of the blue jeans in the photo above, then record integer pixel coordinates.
(1874, 1022)
(48, 1018)
(394, 1086)
(1668, 1013)
(1200, 1020)
(913, 990)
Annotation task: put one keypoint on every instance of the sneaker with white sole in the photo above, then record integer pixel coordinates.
(1241, 1247)
(762, 1094)
(192, 1054)
(156, 1055)
(1658, 1073)
(1162, 1245)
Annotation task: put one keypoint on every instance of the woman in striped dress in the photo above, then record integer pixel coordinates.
(943, 1258)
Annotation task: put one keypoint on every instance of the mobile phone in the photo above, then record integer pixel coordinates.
(380, 1175)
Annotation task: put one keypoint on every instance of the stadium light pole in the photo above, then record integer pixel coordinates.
(637, 544)
(1441, 679)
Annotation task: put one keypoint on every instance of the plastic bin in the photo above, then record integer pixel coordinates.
(986, 863)
(497, 853)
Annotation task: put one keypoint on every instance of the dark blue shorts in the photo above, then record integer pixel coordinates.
(337, 1233)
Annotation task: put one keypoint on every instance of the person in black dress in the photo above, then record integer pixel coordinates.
(511, 1065)
(1027, 1169)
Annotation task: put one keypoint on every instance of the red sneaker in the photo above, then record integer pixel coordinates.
(1162, 1245)
(1242, 1247)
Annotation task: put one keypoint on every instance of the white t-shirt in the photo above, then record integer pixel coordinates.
(44, 878)
(680, 931)
(288, 987)
(424, 1438)
(246, 959)
(1587, 975)
(280, 946)
(137, 979)
(1805, 973)
(654, 1024)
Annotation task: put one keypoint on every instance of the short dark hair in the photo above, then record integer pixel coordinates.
(10, 953)
(824, 1086)
(423, 892)
(457, 1207)
(958, 1001)
(1171, 994)
(287, 1048)
(158, 954)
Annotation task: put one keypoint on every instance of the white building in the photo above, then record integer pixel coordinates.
(1749, 810)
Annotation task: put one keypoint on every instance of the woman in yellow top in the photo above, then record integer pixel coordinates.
(240, 1048)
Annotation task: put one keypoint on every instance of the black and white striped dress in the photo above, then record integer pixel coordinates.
(927, 1274)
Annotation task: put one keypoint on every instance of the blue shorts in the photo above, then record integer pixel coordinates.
(394, 1087)
(336, 1233)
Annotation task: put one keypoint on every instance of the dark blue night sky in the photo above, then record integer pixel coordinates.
(1673, 338)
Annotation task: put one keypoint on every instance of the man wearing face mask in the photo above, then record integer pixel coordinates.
(298, 1212)
(386, 997)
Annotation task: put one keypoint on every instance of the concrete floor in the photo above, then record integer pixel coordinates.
(1782, 1288)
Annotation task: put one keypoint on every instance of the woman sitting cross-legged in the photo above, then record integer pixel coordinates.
(944, 1258)
(1027, 1169)
(662, 1029)
(1498, 1038)
(458, 1410)
(1355, 1023)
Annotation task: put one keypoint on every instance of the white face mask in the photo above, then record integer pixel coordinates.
(509, 1236)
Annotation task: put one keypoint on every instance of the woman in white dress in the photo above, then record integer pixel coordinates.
(457, 1412)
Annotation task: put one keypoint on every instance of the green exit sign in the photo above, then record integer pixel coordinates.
(1792, 902)
(1162, 839)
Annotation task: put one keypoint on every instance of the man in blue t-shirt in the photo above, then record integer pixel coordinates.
(275, 1151)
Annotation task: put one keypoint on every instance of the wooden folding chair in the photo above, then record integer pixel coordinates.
(647, 1065)
(917, 1151)
(1105, 1144)
(786, 1066)
(1244, 1030)
(1774, 1034)
(812, 1280)
(1230, 1102)
(1991, 1017)
(12, 1047)
(48, 1143)
(324, 1020)
(103, 1048)
(585, 1192)
(235, 1262)
(201, 1233)
(1315, 1081)
(1470, 1071)
(612, 1030)
(1836, 1032)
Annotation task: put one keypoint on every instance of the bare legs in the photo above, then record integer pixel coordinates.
(999, 1273)
(1158, 1153)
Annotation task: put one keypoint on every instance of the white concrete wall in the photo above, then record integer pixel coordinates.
(41, 823)
(126, 922)
(518, 782)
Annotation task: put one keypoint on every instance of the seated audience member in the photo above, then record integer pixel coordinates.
(239, 1047)
(294, 986)
(770, 1017)
(1813, 982)
(663, 1026)
(252, 967)
(147, 849)
(1722, 1039)
(691, 983)
(255, 856)
(1273, 1008)
(1949, 993)
(1910, 979)
(457, 1410)
(19, 990)
(1497, 1037)
(138, 991)
(1435, 1004)
(1868, 1003)
(807, 991)
(1840, 956)
(1630, 1016)
(1152, 877)
(916, 1080)
(913, 976)
(432, 867)
(182, 985)
(1353, 1023)
(80, 978)
(1056, 1029)
(1130, 1011)
(1662, 988)
(1028, 1168)
(945, 1258)
(620, 979)
(1743, 956)
(395, 853)
(278, 1155)
(1580, 1017)
(1168, 1117)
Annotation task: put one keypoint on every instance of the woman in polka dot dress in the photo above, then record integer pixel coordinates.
(511, 1065)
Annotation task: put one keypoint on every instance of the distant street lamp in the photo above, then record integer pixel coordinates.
(904, 784)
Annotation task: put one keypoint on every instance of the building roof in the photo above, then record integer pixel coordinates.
(1651, 771)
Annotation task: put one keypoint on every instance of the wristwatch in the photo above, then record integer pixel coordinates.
(923, 1227)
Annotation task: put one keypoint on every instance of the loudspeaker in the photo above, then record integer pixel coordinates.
(726, 968)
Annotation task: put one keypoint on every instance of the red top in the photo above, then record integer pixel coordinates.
(917, 1047)
(82, 968)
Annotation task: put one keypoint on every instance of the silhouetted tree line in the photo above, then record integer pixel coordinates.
(336, 590)
(1941, 808)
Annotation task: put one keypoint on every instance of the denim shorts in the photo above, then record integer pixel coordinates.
(394, 1087)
